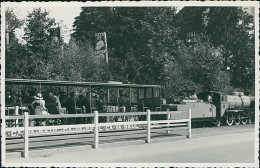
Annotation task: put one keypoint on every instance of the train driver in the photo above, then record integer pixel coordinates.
(209, 98)
(194, 96)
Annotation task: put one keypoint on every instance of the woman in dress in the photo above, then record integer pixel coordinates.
(38, 105)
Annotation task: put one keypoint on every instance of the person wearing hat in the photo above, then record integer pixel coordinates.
(38, 105)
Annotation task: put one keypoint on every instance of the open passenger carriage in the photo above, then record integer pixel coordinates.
(113, 97)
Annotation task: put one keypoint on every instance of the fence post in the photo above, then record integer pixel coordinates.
(148, 140)
(96, 129)
(189, 124)
(26, 135)
(168, 117)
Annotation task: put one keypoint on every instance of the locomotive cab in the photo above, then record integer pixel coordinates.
(215, 100)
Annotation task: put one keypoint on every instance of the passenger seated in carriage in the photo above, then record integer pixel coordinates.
(9, 100)
(82, 103)
(63, 99)
(72, 103)
(38, 105)
(88, 105)
(53, 104)
(98, 103)
(95, 103)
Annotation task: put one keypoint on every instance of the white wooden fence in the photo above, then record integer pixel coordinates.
(174, 118)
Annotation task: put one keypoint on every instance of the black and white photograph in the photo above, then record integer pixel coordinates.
(133, 84)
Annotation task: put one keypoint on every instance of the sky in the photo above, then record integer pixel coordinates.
(64, 14)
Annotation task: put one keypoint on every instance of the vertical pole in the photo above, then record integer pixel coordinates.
(159, 94)
(148, 126)
(16, 112)
(189, 125)
(26, 136)
(153, 101)
(67, 89)
(145, 93)
(18, 87)
(90, 94)
(40, 88)
(168, 117)
(96, 129)
(138, 94)
(130, 98)
(108, 96)
(106, 53)
(117, 98)
(106, 57)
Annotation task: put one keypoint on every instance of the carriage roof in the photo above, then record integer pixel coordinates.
(74, 83)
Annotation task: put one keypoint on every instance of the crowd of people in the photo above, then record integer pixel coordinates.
(51, 103)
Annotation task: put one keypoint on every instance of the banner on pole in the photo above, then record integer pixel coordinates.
(100, 43)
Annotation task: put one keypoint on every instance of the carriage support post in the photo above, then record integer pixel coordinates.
(189, 124)
(26, 135)
(16, 112)
(148, 140)
(96, 136)
(168, 118)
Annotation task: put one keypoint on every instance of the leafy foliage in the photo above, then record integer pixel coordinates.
(198, 68)
(232, 30)
(37, 34)
(139, 39)
(12, 23)
(144, 47)
(14, 50)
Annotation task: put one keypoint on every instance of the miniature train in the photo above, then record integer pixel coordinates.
(234, 108)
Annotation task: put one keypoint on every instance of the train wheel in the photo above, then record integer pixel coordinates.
(237, 119)
(243, 119)
(250, 119)
(218, 122)
(229, 119)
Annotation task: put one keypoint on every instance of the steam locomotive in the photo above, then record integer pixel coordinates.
(234, 108)
(218, 108)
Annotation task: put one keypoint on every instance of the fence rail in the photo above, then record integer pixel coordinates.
(183, 118)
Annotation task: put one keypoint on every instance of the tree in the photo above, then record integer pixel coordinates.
(140, 40)
(204, 67)
(38, 42)
(14, 50)
(79, 63)
(232, 30)
(196, 68)
(12, 23)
